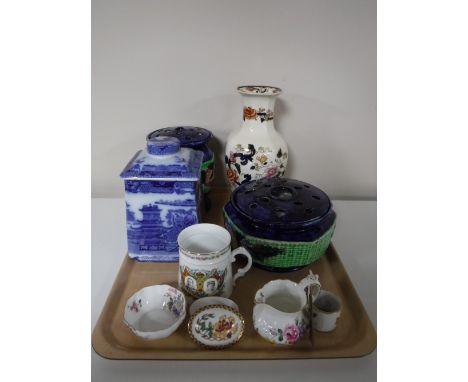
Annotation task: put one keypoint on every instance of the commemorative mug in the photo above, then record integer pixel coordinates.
(205, 261)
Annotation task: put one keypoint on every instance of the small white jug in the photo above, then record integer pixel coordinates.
(279, 314)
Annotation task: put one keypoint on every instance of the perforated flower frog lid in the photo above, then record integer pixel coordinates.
(164, 159)
(281, 209)
(189, 136)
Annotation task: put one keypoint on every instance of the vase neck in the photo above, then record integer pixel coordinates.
(258, 110)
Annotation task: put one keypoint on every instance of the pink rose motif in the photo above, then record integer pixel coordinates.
(134, 306)
(292, 333)
(272, 172)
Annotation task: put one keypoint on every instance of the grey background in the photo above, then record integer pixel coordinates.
(166, 63)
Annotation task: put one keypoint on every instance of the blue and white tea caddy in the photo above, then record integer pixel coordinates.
(162, 196)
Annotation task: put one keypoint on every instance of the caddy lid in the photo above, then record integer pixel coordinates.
(280, 202)
(164, 159)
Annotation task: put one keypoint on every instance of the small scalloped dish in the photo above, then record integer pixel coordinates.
(216, 326)
(155, 312)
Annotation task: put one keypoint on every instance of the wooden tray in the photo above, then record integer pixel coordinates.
(353, 337)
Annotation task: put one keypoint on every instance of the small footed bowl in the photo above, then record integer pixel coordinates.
(155, 312)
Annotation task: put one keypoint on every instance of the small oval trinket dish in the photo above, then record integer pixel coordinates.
(212, 300)
(155, 312)
(216, 326)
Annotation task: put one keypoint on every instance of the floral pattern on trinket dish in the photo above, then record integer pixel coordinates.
(216, 326)
(155, 311)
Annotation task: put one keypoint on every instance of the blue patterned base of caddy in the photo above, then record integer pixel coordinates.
(160, 257)
(156, 213)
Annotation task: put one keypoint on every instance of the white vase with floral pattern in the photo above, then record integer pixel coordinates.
(256, 150)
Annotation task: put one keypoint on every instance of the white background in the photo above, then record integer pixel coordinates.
(166, 63)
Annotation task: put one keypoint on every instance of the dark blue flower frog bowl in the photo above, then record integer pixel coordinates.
(285, 224)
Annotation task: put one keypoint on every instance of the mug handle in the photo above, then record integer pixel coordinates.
(314, 283)
(241, 271)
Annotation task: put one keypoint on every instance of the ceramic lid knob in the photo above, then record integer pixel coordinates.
(162, 145)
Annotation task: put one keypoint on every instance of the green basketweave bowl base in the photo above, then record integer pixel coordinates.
(287, 262)
(280, 256)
